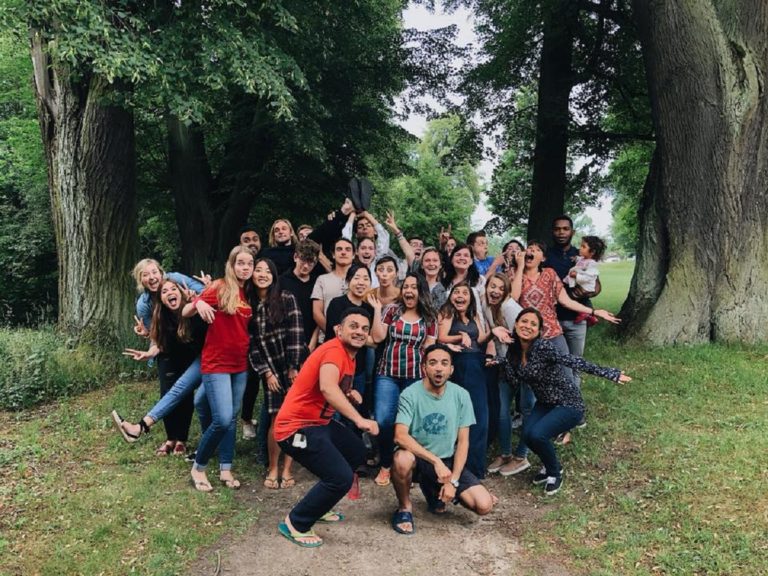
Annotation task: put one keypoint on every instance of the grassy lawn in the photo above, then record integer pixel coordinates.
(669, 477)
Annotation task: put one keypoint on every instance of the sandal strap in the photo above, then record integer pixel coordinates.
(144, 426)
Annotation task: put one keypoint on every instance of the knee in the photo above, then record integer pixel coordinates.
(484, 505)
(341, 482)
(402, 463)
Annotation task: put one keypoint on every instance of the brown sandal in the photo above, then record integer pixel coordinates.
(289, 482)
(271, 483)
(165, 448)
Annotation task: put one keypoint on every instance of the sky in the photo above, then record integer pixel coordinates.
(420, 18)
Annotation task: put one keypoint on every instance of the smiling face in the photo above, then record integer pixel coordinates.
(450, 245)
(170, 295)
(360, 283)
(431, 263)
(251, 239)
(262, 276)
(366, 251)
(353, 331)
(461, 259)
(460, 298)
(410, 293)
(386, 273)
(438, 367)
(494, 291)
(243, 267)
(527, 327)
(151, 277)
(281, 231)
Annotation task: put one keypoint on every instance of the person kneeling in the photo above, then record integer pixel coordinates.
(432, 432)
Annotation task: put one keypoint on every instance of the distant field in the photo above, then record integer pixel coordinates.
(615, 278)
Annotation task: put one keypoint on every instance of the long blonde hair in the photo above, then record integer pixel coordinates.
(227, 288)
(139, 268)
(294, 238)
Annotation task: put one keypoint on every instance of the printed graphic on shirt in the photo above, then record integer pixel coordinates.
(434, 424)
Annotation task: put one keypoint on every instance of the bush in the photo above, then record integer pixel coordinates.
(41, 366)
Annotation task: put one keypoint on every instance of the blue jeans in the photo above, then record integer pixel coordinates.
(332, 454)
(225, 394)
(546, 422)
(183, 386)
(469, 373)
(527, 400)
(386, 396)
(575, 337)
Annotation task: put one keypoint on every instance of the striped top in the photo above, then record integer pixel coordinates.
(405, 340)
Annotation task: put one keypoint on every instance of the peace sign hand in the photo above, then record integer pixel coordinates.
(139, 328)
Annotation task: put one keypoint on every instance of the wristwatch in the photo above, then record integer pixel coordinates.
(455, 484)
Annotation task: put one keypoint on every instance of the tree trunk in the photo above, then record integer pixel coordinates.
(192, 183)
(89, 147)
(550, 153)
(702, 270)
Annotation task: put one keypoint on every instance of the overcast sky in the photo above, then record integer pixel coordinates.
(420, 18)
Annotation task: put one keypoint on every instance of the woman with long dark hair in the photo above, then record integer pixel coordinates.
(535, 361)
(276, 349)
(462, 329)
(408, 325)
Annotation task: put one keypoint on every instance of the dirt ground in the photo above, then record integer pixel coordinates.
(364, 543)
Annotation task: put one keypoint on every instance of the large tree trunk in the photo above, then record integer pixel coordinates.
(702, 269)
(550, 153)
(89, 147)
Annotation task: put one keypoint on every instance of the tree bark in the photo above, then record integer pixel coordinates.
(89, 147)
(702, 270)
(551, 150)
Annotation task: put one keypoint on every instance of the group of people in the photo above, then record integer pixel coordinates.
(429, 353)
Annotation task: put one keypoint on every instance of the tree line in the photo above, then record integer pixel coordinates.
(164, 127)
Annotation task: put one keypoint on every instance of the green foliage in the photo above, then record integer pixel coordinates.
(27, 250)
(442, 187)
(626, 177)
(38, 366)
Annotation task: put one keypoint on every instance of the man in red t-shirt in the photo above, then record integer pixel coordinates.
(304, 428)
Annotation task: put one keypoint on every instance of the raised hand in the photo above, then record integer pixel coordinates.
(204, 278)
(139, 327)
(140, 355)
(206, 311)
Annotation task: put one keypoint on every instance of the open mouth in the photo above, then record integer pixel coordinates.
(528, 257)
(172, 301)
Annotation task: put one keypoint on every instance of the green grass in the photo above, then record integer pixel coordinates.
(76, 499)
(669, 476)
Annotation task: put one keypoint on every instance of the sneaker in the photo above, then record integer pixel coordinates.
(541, 477)
(497, 463)
(582, 423)
(552, 485)
(515, 466)
(249, 430)
(190, 457)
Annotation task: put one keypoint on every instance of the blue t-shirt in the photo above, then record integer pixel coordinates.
(434, 421)
(484, 264)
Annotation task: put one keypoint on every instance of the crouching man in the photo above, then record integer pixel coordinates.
(432, 432)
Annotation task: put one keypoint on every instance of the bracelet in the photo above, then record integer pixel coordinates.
(399, 236)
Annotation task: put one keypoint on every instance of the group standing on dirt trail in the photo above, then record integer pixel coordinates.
(401, 369)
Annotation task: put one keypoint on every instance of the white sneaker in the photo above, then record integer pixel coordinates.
(249, 430)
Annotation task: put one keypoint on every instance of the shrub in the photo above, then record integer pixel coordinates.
(42, 366)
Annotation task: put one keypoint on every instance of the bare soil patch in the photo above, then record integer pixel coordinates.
(365, 544)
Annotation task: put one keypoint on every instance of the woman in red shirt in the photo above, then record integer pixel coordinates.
(224, 305)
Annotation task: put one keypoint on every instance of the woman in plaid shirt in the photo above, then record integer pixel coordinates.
(277, 342)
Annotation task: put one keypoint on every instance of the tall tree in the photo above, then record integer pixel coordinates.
(701, 271)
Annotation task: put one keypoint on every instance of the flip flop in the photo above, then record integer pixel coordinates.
(401, 517)
(271, 483)
(127, 436)
(327, 517)
(294, 536)
(201, 485)
(289, 482)
(231, 483)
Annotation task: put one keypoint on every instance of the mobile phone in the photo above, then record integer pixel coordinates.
(299, 441)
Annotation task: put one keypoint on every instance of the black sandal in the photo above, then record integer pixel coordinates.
(127, 436)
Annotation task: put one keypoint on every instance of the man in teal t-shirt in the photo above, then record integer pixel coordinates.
(432, 432)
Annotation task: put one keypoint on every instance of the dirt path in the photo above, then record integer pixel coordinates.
(365, 544)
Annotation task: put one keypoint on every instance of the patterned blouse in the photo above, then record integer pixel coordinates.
(542, 294)
(278, 348)
(402, 351)
(549, 383)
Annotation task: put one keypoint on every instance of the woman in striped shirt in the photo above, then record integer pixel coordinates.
(409, 326)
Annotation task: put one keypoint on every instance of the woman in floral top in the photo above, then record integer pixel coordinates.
(535, 361)
(277, 343)
(409, 326)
